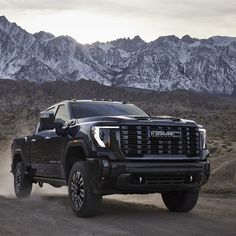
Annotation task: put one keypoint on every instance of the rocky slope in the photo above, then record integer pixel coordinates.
(21, 102)
(168, 63)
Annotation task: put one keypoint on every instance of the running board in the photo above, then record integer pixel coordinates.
(51, 181)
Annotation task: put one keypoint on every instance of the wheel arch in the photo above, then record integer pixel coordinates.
(76, 150)
(17, 157)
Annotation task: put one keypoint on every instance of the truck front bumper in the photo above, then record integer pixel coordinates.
(149, 177)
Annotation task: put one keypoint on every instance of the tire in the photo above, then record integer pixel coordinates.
(22, 183)
(83, 201)
(180, 201)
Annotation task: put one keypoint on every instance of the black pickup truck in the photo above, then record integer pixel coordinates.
(100, 147)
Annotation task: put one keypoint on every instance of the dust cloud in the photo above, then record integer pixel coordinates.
(6, 178)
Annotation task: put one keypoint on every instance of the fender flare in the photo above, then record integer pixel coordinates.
(75, 143)
(17, 151)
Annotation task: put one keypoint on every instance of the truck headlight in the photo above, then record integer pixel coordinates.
(203, 138)
(102, 135)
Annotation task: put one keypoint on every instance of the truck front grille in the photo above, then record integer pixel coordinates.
(137, 141)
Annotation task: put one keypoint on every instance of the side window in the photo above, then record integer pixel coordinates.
(61, 115)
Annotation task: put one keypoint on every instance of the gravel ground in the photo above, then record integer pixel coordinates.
(50, 214)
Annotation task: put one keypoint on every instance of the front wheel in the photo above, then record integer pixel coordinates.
(22, 183)
(180, 201)
(83, 201)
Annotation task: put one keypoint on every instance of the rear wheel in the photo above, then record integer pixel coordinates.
(180, 201)
(83, 201)
(22, 183)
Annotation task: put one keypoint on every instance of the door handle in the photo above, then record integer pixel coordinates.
(47, 138)
(33, 140)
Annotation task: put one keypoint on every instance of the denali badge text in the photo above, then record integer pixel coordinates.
(166, 134)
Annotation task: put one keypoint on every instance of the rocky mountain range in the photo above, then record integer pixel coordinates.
(165, 64)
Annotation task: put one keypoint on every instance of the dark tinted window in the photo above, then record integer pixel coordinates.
(92, 109)
(61, 115)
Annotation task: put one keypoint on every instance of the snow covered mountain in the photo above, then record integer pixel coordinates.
(168, 63)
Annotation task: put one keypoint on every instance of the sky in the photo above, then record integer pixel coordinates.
(103, 20)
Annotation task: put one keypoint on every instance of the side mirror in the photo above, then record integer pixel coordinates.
(59, 129)
(47, 120)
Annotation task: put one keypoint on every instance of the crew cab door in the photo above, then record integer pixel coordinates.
(47, 149)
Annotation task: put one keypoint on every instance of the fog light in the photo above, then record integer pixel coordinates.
(140, 180)
(190, 179)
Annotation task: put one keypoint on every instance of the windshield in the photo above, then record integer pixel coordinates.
(85, 109)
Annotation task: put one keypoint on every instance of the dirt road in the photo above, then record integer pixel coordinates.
(50, 214)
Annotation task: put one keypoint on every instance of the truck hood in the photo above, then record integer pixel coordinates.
(128, 120)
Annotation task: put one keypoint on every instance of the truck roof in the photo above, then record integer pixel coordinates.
(85, 100)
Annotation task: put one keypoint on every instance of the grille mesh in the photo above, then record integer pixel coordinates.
(138, 141)
(166, 179)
